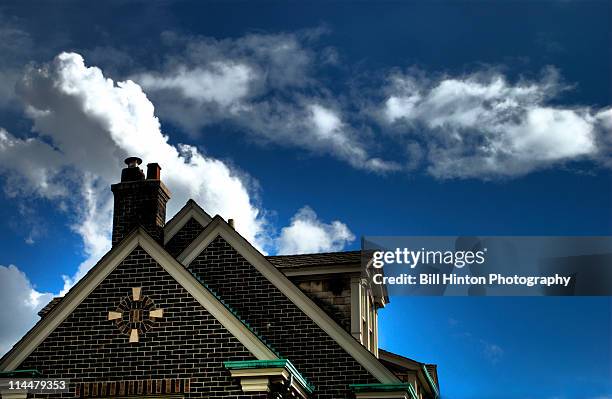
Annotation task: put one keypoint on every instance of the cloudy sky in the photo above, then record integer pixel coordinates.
(313, 124)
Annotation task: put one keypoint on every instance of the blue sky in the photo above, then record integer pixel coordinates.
(313, 124)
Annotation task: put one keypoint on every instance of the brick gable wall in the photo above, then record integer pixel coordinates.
(316, 355)
(184, 237)
(186, 343)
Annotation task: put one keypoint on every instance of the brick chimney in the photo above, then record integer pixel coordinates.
(139, 201)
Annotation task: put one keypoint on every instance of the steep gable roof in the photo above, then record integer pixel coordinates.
(138, 238)
(218, 227)
(190, 210)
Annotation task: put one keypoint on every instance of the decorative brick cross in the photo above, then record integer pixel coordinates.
(135, 315)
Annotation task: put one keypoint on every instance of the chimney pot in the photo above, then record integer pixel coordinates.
(132, 172)
(139, 201)
(132, 162)
(153, 171)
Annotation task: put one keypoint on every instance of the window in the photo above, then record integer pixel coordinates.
(364, 317)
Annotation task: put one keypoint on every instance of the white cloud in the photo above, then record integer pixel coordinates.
(261, 85)
(604, 118)
(548, 134)
(307, 234)
(36, 172)
(222, 82)
(281, 60)
(20, 304)
(87, 125)
(480, 125)
(325, 121)
(325, 132)
(206, 80)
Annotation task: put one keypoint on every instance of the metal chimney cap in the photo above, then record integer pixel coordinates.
(133, 162)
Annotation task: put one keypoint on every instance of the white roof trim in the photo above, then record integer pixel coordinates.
(218, 227)
(190, 210)
(106, 265)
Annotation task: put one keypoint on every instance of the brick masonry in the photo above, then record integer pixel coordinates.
(184, 237)
(187, 343)
(139, 203)
(331, 293)
(316, 355)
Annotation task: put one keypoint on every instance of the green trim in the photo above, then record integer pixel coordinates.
(20, 373)
(431, 382)
(254, 364)
(379, 387)
(405, 387)
(412, 392)
(277, 363)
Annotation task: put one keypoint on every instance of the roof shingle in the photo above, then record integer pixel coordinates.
(320, 259)
(42, 312)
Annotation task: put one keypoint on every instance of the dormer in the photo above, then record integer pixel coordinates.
(338, 283)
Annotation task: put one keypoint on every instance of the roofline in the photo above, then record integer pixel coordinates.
(138, 237)
(191, 209)
(399, 359)
(420, 368)
(319, 269)
(315, 254)
(330, 268)
(218, 227)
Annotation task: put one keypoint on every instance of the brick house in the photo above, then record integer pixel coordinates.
(190, 309)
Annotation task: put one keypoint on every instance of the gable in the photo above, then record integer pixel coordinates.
(282, 313)
(183, 237)
(79, 293)
(291, 332)
(191, 211)
(186, 342)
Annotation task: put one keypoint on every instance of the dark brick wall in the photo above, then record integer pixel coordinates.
(184, 237)
(330, 293)
(186, 343)
(317, 356)
(139, 203)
